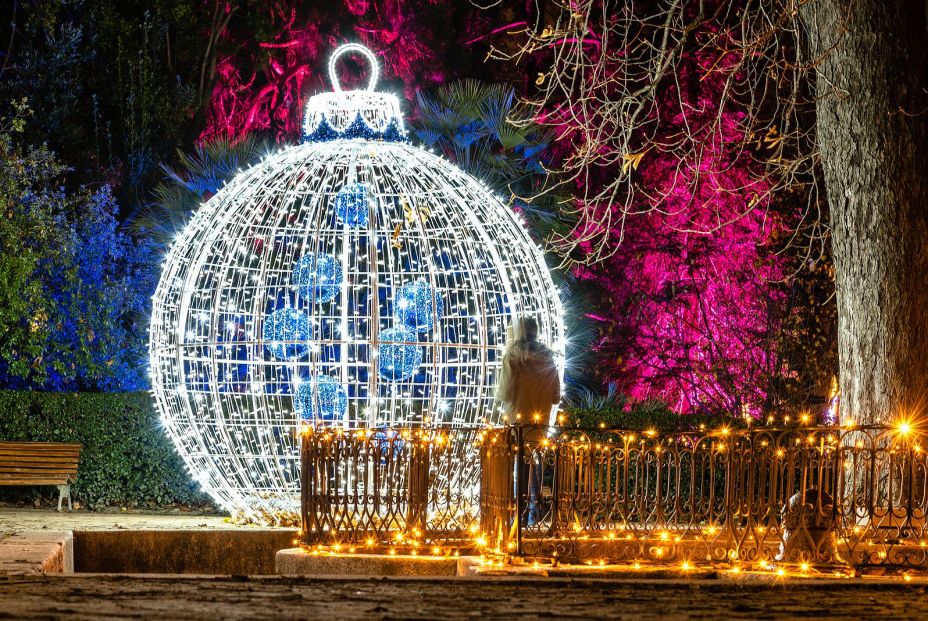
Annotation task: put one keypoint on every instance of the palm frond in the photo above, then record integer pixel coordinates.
(200, 175)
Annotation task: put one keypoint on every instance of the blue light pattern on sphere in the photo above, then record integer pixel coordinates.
(413, 306)
(398, 356)
(318, 277)
(282, 327)
(321, 398)
(351, 205)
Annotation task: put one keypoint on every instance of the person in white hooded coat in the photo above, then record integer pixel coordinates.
(529, 385)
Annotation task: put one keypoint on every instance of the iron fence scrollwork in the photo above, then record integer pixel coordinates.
(820, 496)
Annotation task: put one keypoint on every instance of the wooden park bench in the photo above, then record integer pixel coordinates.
(40, 463)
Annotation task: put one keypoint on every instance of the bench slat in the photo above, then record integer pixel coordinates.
(50, 458)
(4, 455)
(73, 455)
(38, 463)
(58, 481)
(63, 476)
(41, 445)
(39, 458)
(38, 475)
(19, 451)
(37, 470)
(36, 481)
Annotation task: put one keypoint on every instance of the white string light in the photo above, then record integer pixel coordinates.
(348, 282)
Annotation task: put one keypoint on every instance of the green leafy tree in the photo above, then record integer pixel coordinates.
(27, 228)
(73, 287)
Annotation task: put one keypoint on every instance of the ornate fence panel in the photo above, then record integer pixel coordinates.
(804, 496)
(373, 490)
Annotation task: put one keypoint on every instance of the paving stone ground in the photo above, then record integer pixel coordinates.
(280, 598)
(101, 596)
(14, 519)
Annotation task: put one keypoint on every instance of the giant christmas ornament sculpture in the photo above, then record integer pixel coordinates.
(352, 280)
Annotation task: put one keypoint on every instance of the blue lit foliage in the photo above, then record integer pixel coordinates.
(76, 289)
(321, 398)
(414, 304)
(317, 276)
(201, 175)
(100, 309)
(351, 205)
(285, 333)
(399, 354)
(471, 123)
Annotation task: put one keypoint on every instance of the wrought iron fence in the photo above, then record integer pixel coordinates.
(388, 490)
(805, 496)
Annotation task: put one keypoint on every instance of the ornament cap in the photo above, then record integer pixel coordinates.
(366, 114)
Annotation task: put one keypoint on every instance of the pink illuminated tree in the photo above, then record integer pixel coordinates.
(834, 92)
(262, 79)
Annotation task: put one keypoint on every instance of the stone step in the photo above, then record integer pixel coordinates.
(36, 552)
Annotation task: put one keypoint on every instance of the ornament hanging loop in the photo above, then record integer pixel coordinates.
(363, 51)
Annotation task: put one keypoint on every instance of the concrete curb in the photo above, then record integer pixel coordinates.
(37, 552)
(297, 562)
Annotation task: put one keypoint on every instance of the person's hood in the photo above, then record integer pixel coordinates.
(535, 358)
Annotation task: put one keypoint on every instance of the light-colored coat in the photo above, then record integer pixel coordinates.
(528, 384)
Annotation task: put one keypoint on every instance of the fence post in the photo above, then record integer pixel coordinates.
(520, 484)
(305, 510)
(555, 489)
(418, 493)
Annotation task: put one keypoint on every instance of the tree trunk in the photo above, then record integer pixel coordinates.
(872, 132)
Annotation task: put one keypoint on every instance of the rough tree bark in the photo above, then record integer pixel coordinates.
(872, 132)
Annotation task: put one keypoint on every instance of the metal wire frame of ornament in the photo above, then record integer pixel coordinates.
(389, 253)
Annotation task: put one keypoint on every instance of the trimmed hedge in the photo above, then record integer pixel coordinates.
(127, 458)
(640, 416)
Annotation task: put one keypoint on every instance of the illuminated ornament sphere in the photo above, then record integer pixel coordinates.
(318, 277)
(400, 354)
(285, 333)
(407, 270)
(321, 399)
(417, 307)
(351, 205)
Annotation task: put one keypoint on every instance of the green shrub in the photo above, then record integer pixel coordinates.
(127, 458)
(618, 413)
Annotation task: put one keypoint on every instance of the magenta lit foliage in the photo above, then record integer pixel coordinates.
(262, 83)
(691, 300)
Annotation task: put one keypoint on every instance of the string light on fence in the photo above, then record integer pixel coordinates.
(367, 283)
